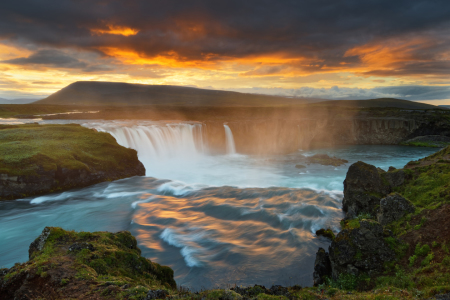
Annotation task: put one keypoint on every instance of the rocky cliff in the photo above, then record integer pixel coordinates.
(40, 159)
(284, 135)
(394, 220)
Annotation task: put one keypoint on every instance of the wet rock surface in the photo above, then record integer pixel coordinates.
(393, 208)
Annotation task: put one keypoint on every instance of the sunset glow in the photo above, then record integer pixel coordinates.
(282, 51)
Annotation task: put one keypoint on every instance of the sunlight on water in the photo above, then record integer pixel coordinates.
(215, 219)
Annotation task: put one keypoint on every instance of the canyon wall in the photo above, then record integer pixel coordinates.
(288, 135)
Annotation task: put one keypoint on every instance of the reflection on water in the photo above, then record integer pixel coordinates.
(220, 220)
(262, 233)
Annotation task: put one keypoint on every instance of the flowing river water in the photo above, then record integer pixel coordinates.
(216, 220)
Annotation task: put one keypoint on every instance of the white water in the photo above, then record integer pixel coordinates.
(231, 148)
(209, 233)
(161, 147)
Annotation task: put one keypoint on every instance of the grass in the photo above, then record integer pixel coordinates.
(11, 110)
(114, 261)
(429, 184)
(422, 144)
(28, 148)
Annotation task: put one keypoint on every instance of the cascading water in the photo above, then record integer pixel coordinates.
(217, 220)
(161, 145)
(231, 148)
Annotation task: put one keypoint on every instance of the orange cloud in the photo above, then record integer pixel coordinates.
(168, 59)
(386, 53)
(115, 29)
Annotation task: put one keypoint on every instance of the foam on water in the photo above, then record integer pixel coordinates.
(214, 219)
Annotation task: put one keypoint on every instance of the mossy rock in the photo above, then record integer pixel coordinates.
(38, 159)
(106, 261)
(328, 233)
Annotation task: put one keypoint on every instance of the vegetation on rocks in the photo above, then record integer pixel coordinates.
(38, 159)
(84, 265)
(416, 230)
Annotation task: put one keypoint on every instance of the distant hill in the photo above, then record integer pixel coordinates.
(17, 101)
(96, 93)
(381, 102)
(444, 106)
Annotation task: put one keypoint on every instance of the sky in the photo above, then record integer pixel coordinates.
(332, 49)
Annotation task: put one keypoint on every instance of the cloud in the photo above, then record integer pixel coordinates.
(49, 58)
(311, 36)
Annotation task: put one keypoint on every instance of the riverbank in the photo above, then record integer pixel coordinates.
(416, 244)
(39, 159)
(395, 234)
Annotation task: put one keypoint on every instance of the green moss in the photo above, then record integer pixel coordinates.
(28, 148)
(423, 144)
(328, 233)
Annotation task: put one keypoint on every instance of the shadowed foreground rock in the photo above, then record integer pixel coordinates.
(322, 266)
(360, 250)
(363, 189)
(99, 265)
(393, 208)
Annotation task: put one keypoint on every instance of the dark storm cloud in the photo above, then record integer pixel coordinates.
(320, 31)
(49, 58)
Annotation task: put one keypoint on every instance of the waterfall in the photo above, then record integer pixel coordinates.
(160, 146)
(231, 148)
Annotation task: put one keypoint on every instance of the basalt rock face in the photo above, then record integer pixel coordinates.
(13, 187)
(360, 250)
(270, 135)
(393, 208)
(364, 186)
(322, 266)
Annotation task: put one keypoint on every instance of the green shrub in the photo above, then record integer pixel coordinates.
(427, 260)
(422, 250)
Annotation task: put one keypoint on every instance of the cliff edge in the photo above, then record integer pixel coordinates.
(38, 159)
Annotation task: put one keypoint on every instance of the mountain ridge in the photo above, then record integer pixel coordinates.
(101, 93)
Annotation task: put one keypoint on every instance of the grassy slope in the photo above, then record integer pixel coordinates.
(25, 147)
(10, 110)
(114, 262)
(423, 268)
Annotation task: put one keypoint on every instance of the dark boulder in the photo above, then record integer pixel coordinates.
(364, 186)
(360, 250)
(322, 267)
(395, 178)
(300, 166)
(393, 208)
